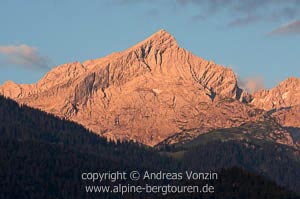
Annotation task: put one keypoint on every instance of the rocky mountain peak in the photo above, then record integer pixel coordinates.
(160, 39)
(285, 94)
(291, 83)
(62, 74)
(10, 88)
(145, 93)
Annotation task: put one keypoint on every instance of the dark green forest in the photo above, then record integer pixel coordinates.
(43, 156)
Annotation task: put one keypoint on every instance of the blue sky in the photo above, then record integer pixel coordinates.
(260, 40)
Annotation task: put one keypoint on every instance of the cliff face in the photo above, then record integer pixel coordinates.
(283, 102)
(289, 117)
(147, 93)
(286, 94)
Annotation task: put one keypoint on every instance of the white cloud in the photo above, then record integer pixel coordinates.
(252, 84)
(287, 29)
(24, 56)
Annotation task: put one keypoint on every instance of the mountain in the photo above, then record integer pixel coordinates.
(284, 95)
(283, 103)
(147, 93)
(43, 156)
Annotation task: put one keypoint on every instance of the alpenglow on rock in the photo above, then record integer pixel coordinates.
(146, 93)
(283, 103)
(286, 94)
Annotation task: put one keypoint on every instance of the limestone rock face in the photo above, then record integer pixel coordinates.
(283, 102)
(286, 94)
(289, 117)
(146, 93)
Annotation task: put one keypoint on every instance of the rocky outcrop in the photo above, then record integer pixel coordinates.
(283, 102)
(289, 116)
(286, 94)
(146, 93)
